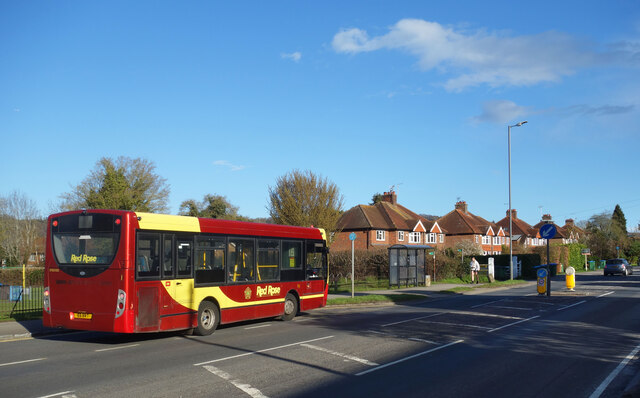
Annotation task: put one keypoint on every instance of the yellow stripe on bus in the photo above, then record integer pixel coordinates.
(168, 222)
(191, 298)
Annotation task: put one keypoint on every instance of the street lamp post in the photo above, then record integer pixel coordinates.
(510, 210)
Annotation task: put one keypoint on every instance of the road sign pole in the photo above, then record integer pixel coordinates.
(352, 268)
(352, 238)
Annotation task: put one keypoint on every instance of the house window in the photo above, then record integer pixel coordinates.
(431, 238)
(486, 240)
(496, 240)
(476, 238)
(414, 237)
(380, 235)
(441, 238)
(400, 236)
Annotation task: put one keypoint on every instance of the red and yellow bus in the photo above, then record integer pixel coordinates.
(130, 272)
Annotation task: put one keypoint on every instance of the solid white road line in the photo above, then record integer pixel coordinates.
(605, 294)
(340, 354)
(117, 348)
(490, 302)
(618, 369)
(413, 319)
(408, 358)
(259, 351)
(251, 391)
(19, 362)
(572, 305)
(257, 327)
(58, 394)
(514, 323)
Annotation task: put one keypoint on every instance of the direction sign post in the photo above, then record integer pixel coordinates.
(548, 231)
(352, 238)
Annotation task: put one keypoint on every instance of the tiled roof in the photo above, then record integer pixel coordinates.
(382, 215)
(459, 222)
(520, 227)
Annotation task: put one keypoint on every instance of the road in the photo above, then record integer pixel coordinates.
(502, 343)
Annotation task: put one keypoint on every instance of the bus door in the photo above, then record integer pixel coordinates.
(177, 282)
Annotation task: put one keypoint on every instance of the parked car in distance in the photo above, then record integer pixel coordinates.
(617, 266)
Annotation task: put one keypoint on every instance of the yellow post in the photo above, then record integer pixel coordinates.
(542, 280)
(24, 284)
(570, 278)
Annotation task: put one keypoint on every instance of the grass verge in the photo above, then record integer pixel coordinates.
(375, 298)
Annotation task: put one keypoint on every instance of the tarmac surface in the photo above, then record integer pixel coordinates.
(33, 328)
(19, 330)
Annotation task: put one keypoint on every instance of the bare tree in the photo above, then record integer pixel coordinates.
(21, 226)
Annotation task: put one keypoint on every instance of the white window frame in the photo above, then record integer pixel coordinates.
(400, 236)
(441, 236)
(486, 240)
(431, 238)
(414, 237)
(380, 235)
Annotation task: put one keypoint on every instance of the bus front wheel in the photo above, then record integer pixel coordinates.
(208, 318)
(290, 307)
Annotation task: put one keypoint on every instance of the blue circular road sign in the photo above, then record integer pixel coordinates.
(352, 236)
(548, 231)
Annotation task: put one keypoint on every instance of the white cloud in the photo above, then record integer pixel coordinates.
(500, 112)
(476, 58)
(226, 163)
(295, 56)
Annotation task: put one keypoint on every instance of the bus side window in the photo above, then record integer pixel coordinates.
(291, 261)
(316, 260)
(167, 257)
(210, 259)
(148, 256)
(184, 257)
(240, 260)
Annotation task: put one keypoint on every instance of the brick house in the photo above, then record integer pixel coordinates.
(385, 224)
(574, 233)
(462, 225)
(523, 233)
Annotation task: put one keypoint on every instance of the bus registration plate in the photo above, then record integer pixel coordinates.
(82, 315)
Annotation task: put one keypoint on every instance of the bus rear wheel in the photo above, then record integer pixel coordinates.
(208, 318)
(290, 307)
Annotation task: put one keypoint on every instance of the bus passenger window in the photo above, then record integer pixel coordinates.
(210, 260)
(167, 257)
(268, 259)
(240, 260)
(148, 256)
(184, 258)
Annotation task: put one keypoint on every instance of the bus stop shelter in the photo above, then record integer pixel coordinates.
(407, 264)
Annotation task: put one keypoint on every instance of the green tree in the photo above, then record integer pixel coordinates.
(305, 199)
(376, 198)
(212, 206)
(604, 234)
(123, 184)
(619, 218)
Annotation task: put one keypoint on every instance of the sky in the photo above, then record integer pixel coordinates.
(414, 96)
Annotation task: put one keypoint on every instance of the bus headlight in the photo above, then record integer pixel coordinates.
(121, 303)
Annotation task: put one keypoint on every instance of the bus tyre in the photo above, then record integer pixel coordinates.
(208, 318)
(290, 307)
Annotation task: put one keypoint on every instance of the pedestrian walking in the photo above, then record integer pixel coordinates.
(475, 267)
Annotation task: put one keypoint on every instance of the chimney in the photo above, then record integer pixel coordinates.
(390, 197)
(547, 217)
(462, 205)
(514, 213)
(569, 222)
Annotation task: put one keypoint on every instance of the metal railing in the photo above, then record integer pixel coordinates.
(20, 299)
